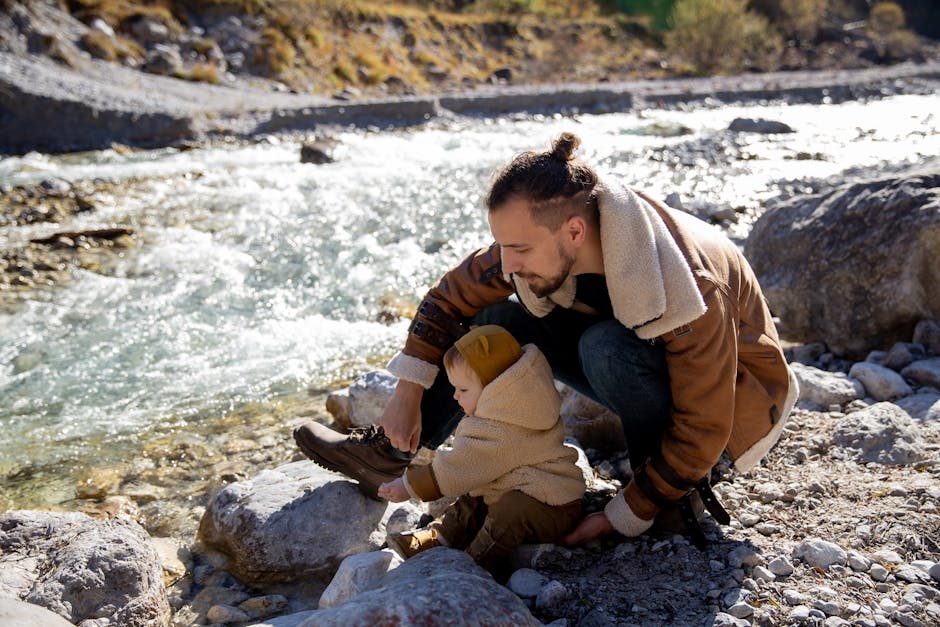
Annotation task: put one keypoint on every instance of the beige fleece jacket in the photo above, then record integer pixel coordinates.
(515, 441)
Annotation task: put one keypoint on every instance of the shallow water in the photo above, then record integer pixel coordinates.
(257, 276)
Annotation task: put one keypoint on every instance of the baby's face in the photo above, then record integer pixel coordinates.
(467, 388)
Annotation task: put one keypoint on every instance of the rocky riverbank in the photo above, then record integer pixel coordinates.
(838, 526)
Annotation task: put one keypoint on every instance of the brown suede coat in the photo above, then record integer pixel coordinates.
(730, 383)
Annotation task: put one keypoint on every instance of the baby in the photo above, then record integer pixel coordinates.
(516, 480)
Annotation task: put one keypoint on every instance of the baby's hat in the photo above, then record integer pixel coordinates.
(489, 350)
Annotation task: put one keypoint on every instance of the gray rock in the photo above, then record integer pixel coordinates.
(833, 272)
(82, 568)
(925, 372)
(750, 125)
(882, 384)
(911, 574)
(551, 595)
(902, 354)
(821, 553)
(823, 389)
(921, 407)
(935, 572)
(16, 612)
(526, 582)
(927, 333)
(356, 574)
(316, 152)
(292, 522)
(150, 30)
(440, 582)
(723, 619)
(590, 423)
(808, 353)
(163, 59)
(882, 433)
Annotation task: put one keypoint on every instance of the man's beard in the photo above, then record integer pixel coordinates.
(551, 284)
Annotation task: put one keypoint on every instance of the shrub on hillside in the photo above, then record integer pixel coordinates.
(893, 42)
(722, 36)
(798, 19)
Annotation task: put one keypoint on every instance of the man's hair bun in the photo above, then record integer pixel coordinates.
(564, 146)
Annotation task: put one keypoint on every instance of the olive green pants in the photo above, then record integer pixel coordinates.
(489, 533)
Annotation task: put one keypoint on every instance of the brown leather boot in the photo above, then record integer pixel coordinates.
(410, 543)
(365, 455)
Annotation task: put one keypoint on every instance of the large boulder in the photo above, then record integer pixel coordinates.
(440, 586)
(882, 433)
(855, 266)
(82, 568)
(296, 521)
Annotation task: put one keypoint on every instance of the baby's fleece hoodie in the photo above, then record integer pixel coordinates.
(514, 441)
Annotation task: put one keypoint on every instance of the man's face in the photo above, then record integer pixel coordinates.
(529, 250)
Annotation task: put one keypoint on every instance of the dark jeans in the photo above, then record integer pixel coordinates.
(602, 359)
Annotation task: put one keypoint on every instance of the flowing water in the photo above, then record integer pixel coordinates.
(257, 276)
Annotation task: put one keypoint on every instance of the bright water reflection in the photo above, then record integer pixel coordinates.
(257, 275)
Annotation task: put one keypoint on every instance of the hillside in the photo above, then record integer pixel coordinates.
(352, 49)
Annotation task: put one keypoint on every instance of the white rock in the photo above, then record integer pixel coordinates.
(741, 610)
(799, 614)
(761, 573)
(225, 614)
(887, 556)
(356, 574)
(526, 582)
(857, 561)
(911, 574)
(882, 384)
(794, 597)
(821, 553)
(743, 556)
(780, 566)
(822, 388)
(723, 619)
(368, 396)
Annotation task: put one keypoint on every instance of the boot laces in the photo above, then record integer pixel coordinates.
(369, 436)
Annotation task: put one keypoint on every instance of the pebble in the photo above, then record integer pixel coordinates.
(792, 597)
(526, 582)
(878, 572)
(856, 582)
(780, 566)
(935, 572)
(827, 607)
(857, 561)
(553, 593)
(799, 614)
(226, 614)
(761, 573)
(887, 556)
(911, 574)
(821, 553)
(741, 610)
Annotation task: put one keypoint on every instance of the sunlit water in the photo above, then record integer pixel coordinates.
(257, 275)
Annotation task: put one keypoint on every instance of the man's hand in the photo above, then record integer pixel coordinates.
(401, 419)
(394, 491)
(593, 526)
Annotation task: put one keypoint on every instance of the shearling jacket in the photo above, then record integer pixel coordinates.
(514, 441)
(673, 279)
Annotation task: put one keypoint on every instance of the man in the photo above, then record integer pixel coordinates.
(645, 309)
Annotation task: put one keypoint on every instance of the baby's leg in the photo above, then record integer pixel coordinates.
(517, 518)
(460, 522)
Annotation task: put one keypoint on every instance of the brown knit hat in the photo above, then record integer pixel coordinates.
(489, 350)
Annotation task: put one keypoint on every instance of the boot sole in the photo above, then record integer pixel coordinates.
(323, 462)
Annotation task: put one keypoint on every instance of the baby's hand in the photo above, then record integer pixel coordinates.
(394, 491)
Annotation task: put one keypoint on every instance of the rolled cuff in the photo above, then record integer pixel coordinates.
(623, 519)
(413, 369)
(421, 483)
(408, 488)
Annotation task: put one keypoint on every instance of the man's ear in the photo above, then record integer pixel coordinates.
(575, 229)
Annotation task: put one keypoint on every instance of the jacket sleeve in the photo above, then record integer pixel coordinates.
(443, 313)
(702, 362)
(478, 457)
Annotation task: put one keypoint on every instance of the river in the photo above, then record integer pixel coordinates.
(257, 276)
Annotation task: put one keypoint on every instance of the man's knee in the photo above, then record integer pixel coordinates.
(609, 345)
